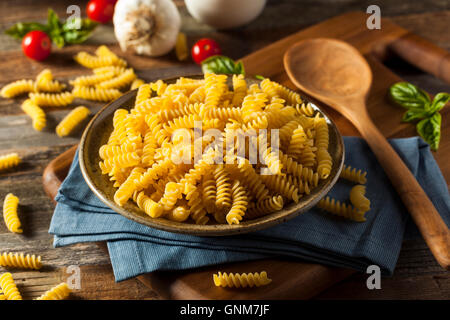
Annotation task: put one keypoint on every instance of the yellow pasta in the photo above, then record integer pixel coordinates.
(136, 83)
(181, 48)
(52, 100)
(358, 198)
(86, 81)
(45, 82)
(92, 62)
(19, 260)
(8, 287)
(353, 174)
(122, 80)
(36, 114)
(243, 280)
(60, 292)
(10, 216)
(96, 94)
(9, 160)
(17, 88)
(341, 209)
(71, 120)
(155, 158)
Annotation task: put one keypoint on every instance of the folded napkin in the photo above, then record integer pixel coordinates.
(314, 236)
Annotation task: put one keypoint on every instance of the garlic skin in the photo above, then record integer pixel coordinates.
(146, 27)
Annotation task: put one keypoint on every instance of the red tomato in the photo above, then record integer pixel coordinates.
(36, 45)
(205, 48)
(101, 10)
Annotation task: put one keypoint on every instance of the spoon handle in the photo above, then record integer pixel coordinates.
(431, 226)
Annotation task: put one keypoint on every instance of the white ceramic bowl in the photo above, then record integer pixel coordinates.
(225, 14)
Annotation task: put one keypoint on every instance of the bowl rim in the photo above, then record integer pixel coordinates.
(287, 213)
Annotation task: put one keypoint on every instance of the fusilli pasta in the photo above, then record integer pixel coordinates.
(243, 280)
(10, 216)
(19, 260)
(9, 160)
(60, 292)
(8, 287)
(71, 120)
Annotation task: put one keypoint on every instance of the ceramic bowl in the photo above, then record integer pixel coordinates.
(100, 127)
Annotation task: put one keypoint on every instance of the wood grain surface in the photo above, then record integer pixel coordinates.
(416, 265)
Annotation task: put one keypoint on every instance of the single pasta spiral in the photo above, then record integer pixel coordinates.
(10, 213)
(122, 80)
(341, 209)
(239, 204)
(52, 99)
(86, 81)
(324, 163)
(92, 62)
(8, 287)
(71, 120)
(19, 260)
(60, 292)
(45, 82)
(36, 114)
(241, 280)
(269, 205)
(223, 191)
(281, 185)
(96, 94)
(9, 160)
(358, 198)
(17, 88)
(353, 174)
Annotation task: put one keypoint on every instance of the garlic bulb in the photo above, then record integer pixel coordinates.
(147, 27)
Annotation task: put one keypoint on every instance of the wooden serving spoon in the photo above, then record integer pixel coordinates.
(335, 73)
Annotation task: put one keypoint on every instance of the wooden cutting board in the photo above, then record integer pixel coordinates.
(294, 279)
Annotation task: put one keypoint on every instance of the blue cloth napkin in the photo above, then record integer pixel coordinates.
(315, 236)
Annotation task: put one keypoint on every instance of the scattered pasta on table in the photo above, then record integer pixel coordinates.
(241, 280)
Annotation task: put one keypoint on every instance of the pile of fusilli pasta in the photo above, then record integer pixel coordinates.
(110, 76)
(139, 156)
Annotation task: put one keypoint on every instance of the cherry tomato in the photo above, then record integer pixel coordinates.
(101, 10)
(205, 48)
(36, 45)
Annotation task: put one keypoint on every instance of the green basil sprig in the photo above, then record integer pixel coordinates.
(61, 33)
(420, 107)
(222, 65)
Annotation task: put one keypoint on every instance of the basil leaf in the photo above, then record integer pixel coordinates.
(53, 20)
(74, 36)
(20, 29)
(259, 77)
(222, 64)
(430, 130)
(414, 114)
(439, 101)
(408, 96)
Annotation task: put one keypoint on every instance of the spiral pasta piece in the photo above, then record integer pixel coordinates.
(209, 192)
(52, 99)
(136, 83)
(171, 195)
(243, 280)
(71, 120)
(223, 185)
(10, 216)
(239, 89)
(9, 160)
(305, 108)
(92, 62)
(148, 205)
(86, 81)
(8, 287)
(96, 94)
(281, 185)
(17, 88)
(45, 82)
(358, 198)
(127, 188)
(262, 208)
(122, 80)
(239, 204)
(341, 209)
(196, 208)
(324, 163)
(60, 292)
(19, 260)
(353, 174)
(179, 214)
(36, 114)
(298, 170)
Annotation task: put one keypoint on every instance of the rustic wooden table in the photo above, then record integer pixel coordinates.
(417, 275)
